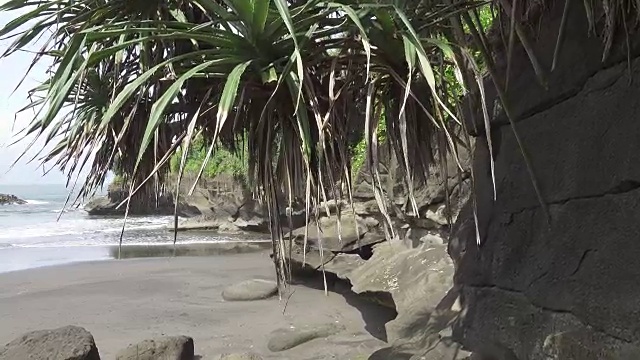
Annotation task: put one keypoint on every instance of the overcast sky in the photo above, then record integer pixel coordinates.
(12, 70)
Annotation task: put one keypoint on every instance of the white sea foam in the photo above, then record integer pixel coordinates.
(76, 244)
(59, 211)
(37, 226)
(36, 202)
(80, 226)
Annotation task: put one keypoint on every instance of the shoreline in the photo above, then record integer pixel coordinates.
(17, 258)
(127, 301)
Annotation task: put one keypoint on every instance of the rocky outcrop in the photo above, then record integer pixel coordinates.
(65, 343)
(412, 273)
(163, 204)
(416, 282)
(162, 348)
(227, 205)
(558, 281)
(361, 225)
(346, 233)
(6, 199)
(430, 194)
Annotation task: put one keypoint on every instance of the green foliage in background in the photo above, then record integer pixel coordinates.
(359, 150)
(222, 161)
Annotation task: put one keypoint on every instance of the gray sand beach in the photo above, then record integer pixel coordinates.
(125, 301)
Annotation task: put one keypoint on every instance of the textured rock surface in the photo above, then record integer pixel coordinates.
(423, 274)
(352, 231)
(562, 286)
(412, 274)
(284, 339)
(581, 57)
(6, 199)
(162, 348)
(426, 193)
(227, 205)
(416, 282)
(248, 290)
(65, 343)
(419, 281)
(108, 205)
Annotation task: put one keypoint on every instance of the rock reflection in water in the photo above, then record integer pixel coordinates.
(211, 249)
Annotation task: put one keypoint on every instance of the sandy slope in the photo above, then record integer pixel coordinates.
(126, 301)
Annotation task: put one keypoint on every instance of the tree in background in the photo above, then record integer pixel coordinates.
(222, 161)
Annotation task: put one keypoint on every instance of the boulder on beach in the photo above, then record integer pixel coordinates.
(344, 234)
(7, 199)
(255, 289)
(65, 343)
(287, 338)
(110, 206)
(161, 348)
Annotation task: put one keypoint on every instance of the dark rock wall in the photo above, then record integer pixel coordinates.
(565, 287)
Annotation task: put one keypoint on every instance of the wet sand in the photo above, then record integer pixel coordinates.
(126, 301)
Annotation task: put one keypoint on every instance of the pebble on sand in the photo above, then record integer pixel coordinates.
(287, 338)
(165, 348)
(247, 290)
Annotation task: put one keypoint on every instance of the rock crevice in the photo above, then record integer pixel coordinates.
(624, 187)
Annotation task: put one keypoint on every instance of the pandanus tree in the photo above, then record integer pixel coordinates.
(132, 81)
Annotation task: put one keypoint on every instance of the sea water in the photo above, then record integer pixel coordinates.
(45, 231)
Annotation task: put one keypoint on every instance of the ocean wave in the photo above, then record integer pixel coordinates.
(81, 227)
(76, 244)
(36, 202)
(65, 210)
(133, 227)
